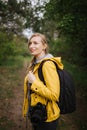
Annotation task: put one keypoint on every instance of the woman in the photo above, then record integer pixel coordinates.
(47, 94)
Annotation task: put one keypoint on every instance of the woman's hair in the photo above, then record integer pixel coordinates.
(43, 40)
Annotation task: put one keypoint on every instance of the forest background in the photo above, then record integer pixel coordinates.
(64, 22)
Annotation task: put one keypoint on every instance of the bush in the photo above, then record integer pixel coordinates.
(5, 47)
(11, 46)
(65, 48)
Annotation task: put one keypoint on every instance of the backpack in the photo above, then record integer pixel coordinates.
(67, 99)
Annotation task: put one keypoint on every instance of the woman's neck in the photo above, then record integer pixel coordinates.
(41, 56)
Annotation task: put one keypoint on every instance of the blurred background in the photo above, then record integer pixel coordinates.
(64, 22)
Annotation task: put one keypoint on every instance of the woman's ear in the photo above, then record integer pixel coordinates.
(45, 46)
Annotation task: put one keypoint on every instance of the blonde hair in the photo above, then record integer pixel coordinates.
(43, 40)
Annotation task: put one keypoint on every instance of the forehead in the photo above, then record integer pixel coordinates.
(36, 38)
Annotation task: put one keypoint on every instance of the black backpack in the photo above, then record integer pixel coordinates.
(67, 99)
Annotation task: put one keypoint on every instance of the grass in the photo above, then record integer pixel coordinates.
(9, 76)
(16, 61)
(9, 79)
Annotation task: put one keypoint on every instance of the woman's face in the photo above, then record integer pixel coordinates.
(36, 47)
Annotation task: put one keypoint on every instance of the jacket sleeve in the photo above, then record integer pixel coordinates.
(51, 90)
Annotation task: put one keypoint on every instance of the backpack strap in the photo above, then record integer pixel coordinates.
(40, 73)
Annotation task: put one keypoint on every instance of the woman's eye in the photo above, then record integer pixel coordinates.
(35, 43)
(30, 43)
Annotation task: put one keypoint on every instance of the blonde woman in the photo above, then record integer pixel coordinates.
(40, 98)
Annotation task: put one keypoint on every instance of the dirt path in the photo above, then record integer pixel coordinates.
(17, 103)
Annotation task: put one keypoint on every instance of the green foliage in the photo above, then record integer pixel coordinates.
(21, 46)
(65, 48)
(66, 23)
(6, 48)
(70, 18)
(15, 16)
(11, 46)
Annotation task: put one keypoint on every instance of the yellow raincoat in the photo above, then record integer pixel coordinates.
(43, 93)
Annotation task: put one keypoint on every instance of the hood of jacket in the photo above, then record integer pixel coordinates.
(57, 60)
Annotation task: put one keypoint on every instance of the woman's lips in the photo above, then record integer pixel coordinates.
(32, 50)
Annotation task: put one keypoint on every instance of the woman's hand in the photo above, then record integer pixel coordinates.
(31, 77)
